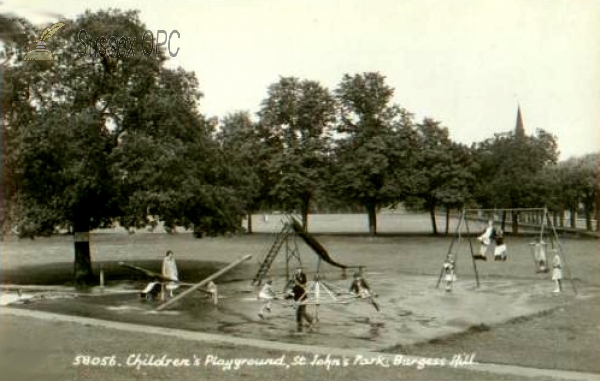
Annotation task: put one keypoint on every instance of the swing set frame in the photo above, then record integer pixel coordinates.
(491, 213)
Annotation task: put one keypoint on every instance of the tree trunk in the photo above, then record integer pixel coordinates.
(503, 224)
(573, 217)
(433, 221)
(588, 218)
(447, 221)
(562, 217)
(597, 208)
(515, 222)
(249, 223)
(304, 210)
(82, 268)
(372, 213)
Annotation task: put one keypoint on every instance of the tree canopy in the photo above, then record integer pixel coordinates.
(95, 138)
(296, 118)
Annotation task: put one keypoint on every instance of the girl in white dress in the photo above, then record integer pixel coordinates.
(449, 276)
(557, 273)
(213, 292)
(266, 294)
(485, 239)
(169, 270)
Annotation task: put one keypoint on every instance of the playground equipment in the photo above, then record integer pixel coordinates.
(319, 291)
(205, 281)
(540, 246)
(292, 229)
(285, 236)
(158, 281)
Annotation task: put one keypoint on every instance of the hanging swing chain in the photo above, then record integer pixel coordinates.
(472, 252)
(456, 238)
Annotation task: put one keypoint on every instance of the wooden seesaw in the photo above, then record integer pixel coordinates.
(163, 279)
(202, 283)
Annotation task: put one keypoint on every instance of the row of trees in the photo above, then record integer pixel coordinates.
(89, 141)
(354, 147)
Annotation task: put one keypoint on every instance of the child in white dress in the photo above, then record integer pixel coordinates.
(169, 270)
(557, 273)
(213, 293)
(486, 239)
(266, 295)
(449, 276)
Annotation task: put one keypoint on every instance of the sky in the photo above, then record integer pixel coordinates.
(466, 63)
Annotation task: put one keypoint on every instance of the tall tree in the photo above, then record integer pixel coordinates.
(13, 35)
(246, 161)
(576, 182)
(62, 156)
(445, 169)
(373, 160)
(296, 118)
(508, 168)
(101, 136)
(590, 174)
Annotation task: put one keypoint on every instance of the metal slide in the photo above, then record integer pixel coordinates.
(314, 244)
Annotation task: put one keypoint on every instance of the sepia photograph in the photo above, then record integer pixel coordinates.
(300, 190)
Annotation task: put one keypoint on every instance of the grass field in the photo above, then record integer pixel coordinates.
(512, 319)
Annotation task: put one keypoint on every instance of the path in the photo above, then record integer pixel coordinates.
(215, 338)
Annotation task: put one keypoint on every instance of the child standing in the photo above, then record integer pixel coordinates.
(169, 270)
(449, 276)
(557, 273)
(213, 292)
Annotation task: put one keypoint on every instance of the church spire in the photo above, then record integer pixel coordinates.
(519, 129)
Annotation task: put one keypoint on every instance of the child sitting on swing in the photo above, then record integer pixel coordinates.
(540, 257)
(486, 239)
(500, 246)
(266, 294)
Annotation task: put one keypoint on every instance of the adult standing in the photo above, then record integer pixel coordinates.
(299, 292)
(300, 297)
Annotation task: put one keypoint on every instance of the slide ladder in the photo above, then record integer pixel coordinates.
(271, 255)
